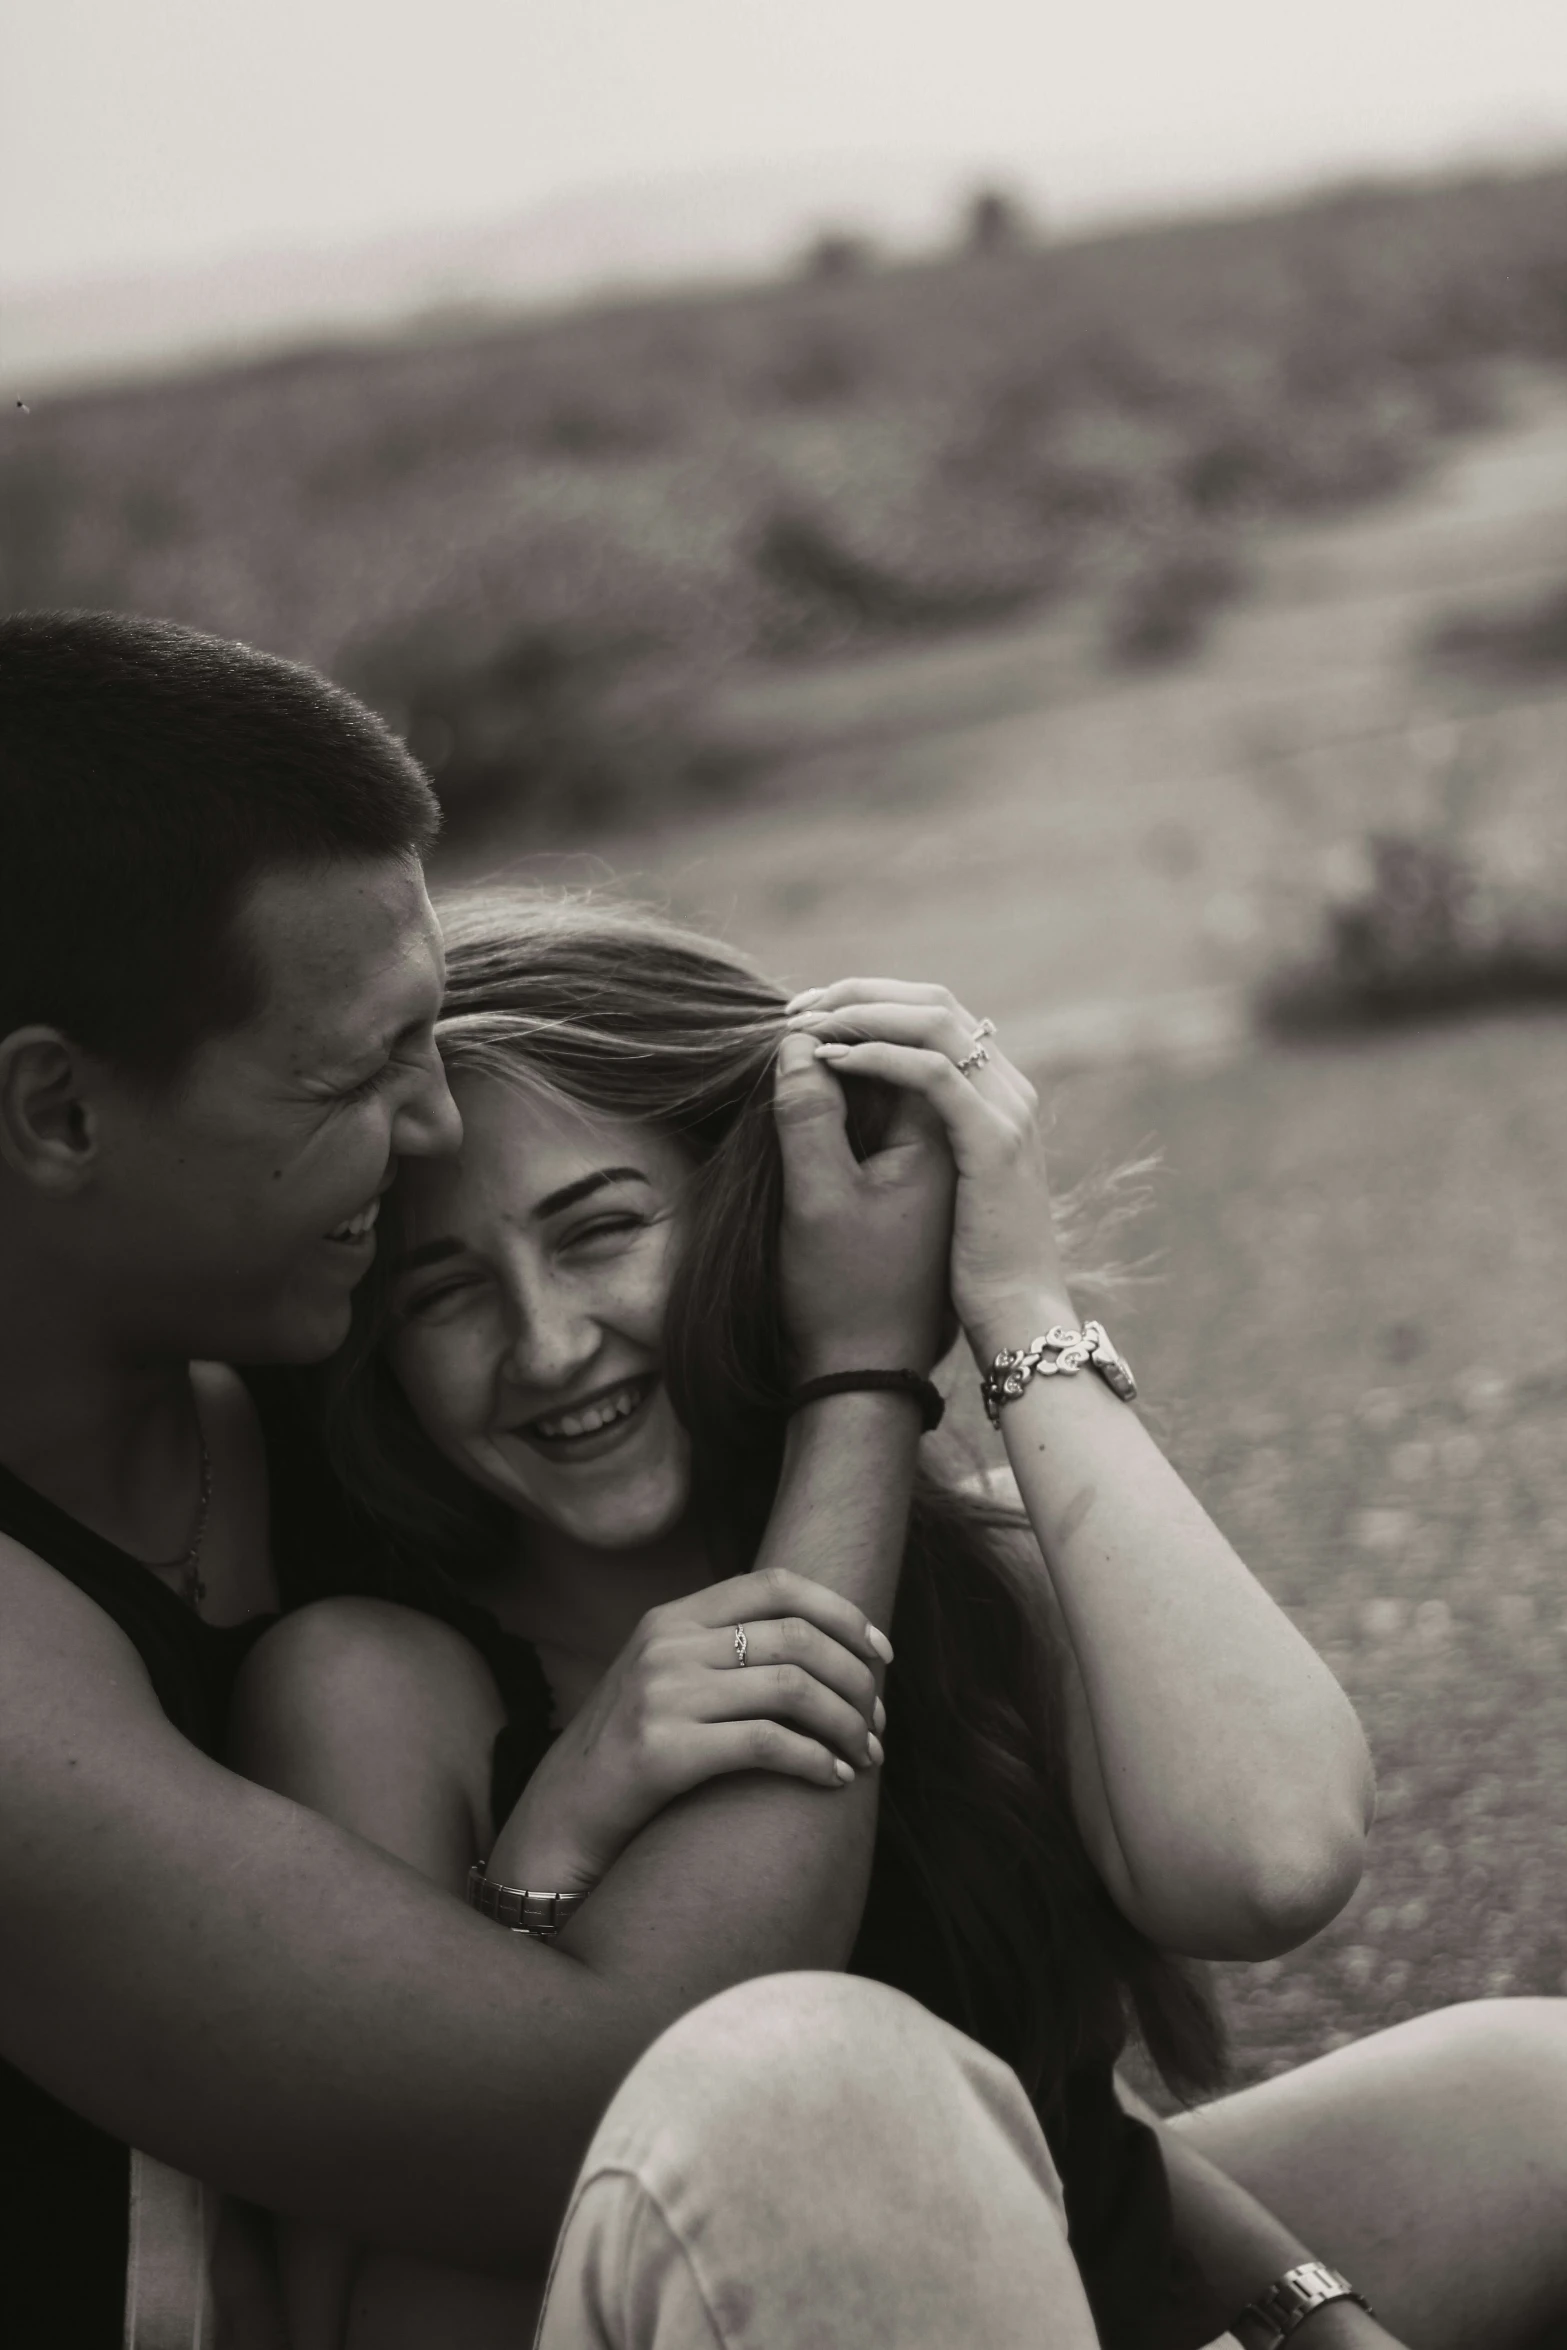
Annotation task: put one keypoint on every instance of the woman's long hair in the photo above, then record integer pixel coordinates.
(619, 1011)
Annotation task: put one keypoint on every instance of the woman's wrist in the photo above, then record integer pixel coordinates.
(540, 1847)
(829, 1360)
(1012, 1318)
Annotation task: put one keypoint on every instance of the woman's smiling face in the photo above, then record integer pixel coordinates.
(528, 1300)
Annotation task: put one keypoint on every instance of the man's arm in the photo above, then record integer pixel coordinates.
(224, 1979)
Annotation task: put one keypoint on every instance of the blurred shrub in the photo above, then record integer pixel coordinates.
(566, 730)
(1427, 931)
(823, 593)
(1162, 608)
(568, 526)
(837, 254)
(995, 222)
(1526, 640)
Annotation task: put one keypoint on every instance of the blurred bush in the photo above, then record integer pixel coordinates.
(575, 729)
(1426, 931)
(1163, 607)
(567, 528)
(1527, 639)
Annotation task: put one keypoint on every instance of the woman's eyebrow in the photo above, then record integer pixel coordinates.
(430, 1252)
(569, 1193)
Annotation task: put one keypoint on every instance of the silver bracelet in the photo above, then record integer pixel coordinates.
(540, 1914)
(1271, 2319)
(1059, 1350)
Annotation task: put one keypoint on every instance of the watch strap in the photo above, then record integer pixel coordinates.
(1275, 2315)
(540, 1914)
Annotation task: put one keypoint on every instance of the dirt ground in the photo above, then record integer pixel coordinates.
(1356, 1351)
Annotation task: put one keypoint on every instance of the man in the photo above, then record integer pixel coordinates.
(219, 977)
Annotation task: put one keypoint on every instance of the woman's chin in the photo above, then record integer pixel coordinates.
(612, 1522)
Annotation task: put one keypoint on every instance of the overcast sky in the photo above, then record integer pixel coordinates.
(139, 134)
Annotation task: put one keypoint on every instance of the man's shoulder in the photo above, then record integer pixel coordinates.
(53, 1633)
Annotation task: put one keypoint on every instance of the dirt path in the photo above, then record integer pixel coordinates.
(1005, 813)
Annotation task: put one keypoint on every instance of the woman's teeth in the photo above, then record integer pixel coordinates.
(589, 1418)
(358, 1226)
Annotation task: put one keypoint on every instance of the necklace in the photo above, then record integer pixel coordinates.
(188, 1565)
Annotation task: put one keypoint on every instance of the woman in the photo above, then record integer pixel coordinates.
(569, 1392)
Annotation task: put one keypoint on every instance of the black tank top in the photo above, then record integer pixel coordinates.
(64, 2185)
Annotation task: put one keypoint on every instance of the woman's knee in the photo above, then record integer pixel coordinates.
(837, 2073)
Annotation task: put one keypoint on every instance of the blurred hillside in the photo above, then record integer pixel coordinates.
(541, 548)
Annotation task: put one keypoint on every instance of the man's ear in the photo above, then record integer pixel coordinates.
(48, 1128)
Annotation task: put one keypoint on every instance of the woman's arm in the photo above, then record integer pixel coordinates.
(1222, 1781)
(222, 1978)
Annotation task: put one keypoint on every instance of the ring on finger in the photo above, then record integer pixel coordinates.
(741, 1644)
(979, 1052)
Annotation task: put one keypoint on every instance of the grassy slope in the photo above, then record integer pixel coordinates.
(1358, 1355)
(796, 466)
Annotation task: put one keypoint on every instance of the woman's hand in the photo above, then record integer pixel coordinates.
(864, 1242)
(676, 1708)
(1006, 1271)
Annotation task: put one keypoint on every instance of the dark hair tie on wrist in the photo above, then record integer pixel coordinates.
(910, 1383)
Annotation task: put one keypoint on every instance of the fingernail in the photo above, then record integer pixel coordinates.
(831, 1052)
(874, 1747)
(878, 1716)
(880, 1642)
(794, 1052)
(845, 1771)
(798, 1020)
(807, 995)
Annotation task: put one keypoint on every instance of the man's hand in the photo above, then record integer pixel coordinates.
(864, 1244)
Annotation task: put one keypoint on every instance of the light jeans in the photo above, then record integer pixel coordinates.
(814, 2162)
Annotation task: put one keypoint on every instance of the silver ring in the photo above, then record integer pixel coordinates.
(978, 1053)
(740, 1644)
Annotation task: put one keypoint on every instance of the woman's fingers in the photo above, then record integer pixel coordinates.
(776, 1591)
(720, 1747)
(788, 1693)
(790, 1640)
(872, 991)
(928, 1027)
(969, 1118)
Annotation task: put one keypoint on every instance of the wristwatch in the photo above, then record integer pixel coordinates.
(540, 1914)
(1271, 2319)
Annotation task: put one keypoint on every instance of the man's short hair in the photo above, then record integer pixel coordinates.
(148, 777)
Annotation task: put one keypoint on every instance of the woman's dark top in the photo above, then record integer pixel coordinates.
(64, 2185)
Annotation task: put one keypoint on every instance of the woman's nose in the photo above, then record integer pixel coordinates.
(552, 1339)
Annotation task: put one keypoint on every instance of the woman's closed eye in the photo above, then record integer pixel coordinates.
(602, 1235)
(428, 1303)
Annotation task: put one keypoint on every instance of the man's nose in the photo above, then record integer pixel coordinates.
(429, 1124)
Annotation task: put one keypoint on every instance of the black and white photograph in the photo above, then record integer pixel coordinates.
(783, 1176)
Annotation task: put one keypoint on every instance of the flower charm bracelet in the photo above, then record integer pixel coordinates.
(1059, 1350)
